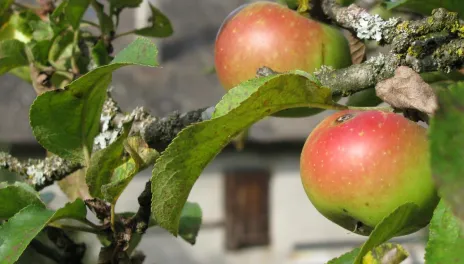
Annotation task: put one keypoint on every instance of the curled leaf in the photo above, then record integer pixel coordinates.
(386, 254)
(407, 90)
(357, 49)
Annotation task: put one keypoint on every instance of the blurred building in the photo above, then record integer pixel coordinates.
(283, 225)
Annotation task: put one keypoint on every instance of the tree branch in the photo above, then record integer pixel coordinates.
(431, 44)
(159, 133)
(39, 173)
(392, 31)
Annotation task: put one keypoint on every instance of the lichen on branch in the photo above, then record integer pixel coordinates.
(39, 173)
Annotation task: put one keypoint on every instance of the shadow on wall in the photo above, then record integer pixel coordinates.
(188, 42)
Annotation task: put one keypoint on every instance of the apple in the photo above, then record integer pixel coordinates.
(270, 34)
(358, 166)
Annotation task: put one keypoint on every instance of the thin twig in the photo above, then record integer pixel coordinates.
(75, 228)
(83, 21)
(124, 34)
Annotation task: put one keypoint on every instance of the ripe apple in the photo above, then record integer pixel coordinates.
(269, 34)
(358, 166)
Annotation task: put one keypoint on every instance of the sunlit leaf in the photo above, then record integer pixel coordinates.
(182, 162)
(66, 121)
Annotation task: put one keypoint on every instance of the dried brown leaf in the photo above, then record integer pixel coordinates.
(357, 49)
(407, 90)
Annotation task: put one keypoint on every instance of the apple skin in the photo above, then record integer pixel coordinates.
(358, 166)
(269, 34)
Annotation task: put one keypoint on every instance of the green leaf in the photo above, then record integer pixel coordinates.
(106, 23)
(103, 163)
(66, 122)
(364, 98)
(100, 54)
(26, 224)
(385, 253)
(60, 53)
(75, 210)
(42, 30)
(190, 222)
(160, 25)
(182, 162)
(20, 22)
(74, 11)
(396, 224)
(292, 4)
(446, 238)
(12, 55)
(345, 2)
(4, 6)
(59, 12)
(446, 136)
(19, 231)
(15, 197)
(426, 6)
(141, 157)
(120, 179)
(118, 4)
(347, 258)
(40, 50)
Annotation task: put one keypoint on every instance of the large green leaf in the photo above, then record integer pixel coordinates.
(74, 11)
(160, 25)
(446, 239)
(395, 224)
(74, 210)
(19, 231)
(190, 222)
(103, 163)
(447, 146)
(426, 6)
(15, 197)
(182, 162)
(24, 226)
(66, 121)
(12, 55)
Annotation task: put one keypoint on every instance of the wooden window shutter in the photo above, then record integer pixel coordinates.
(247, 208)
